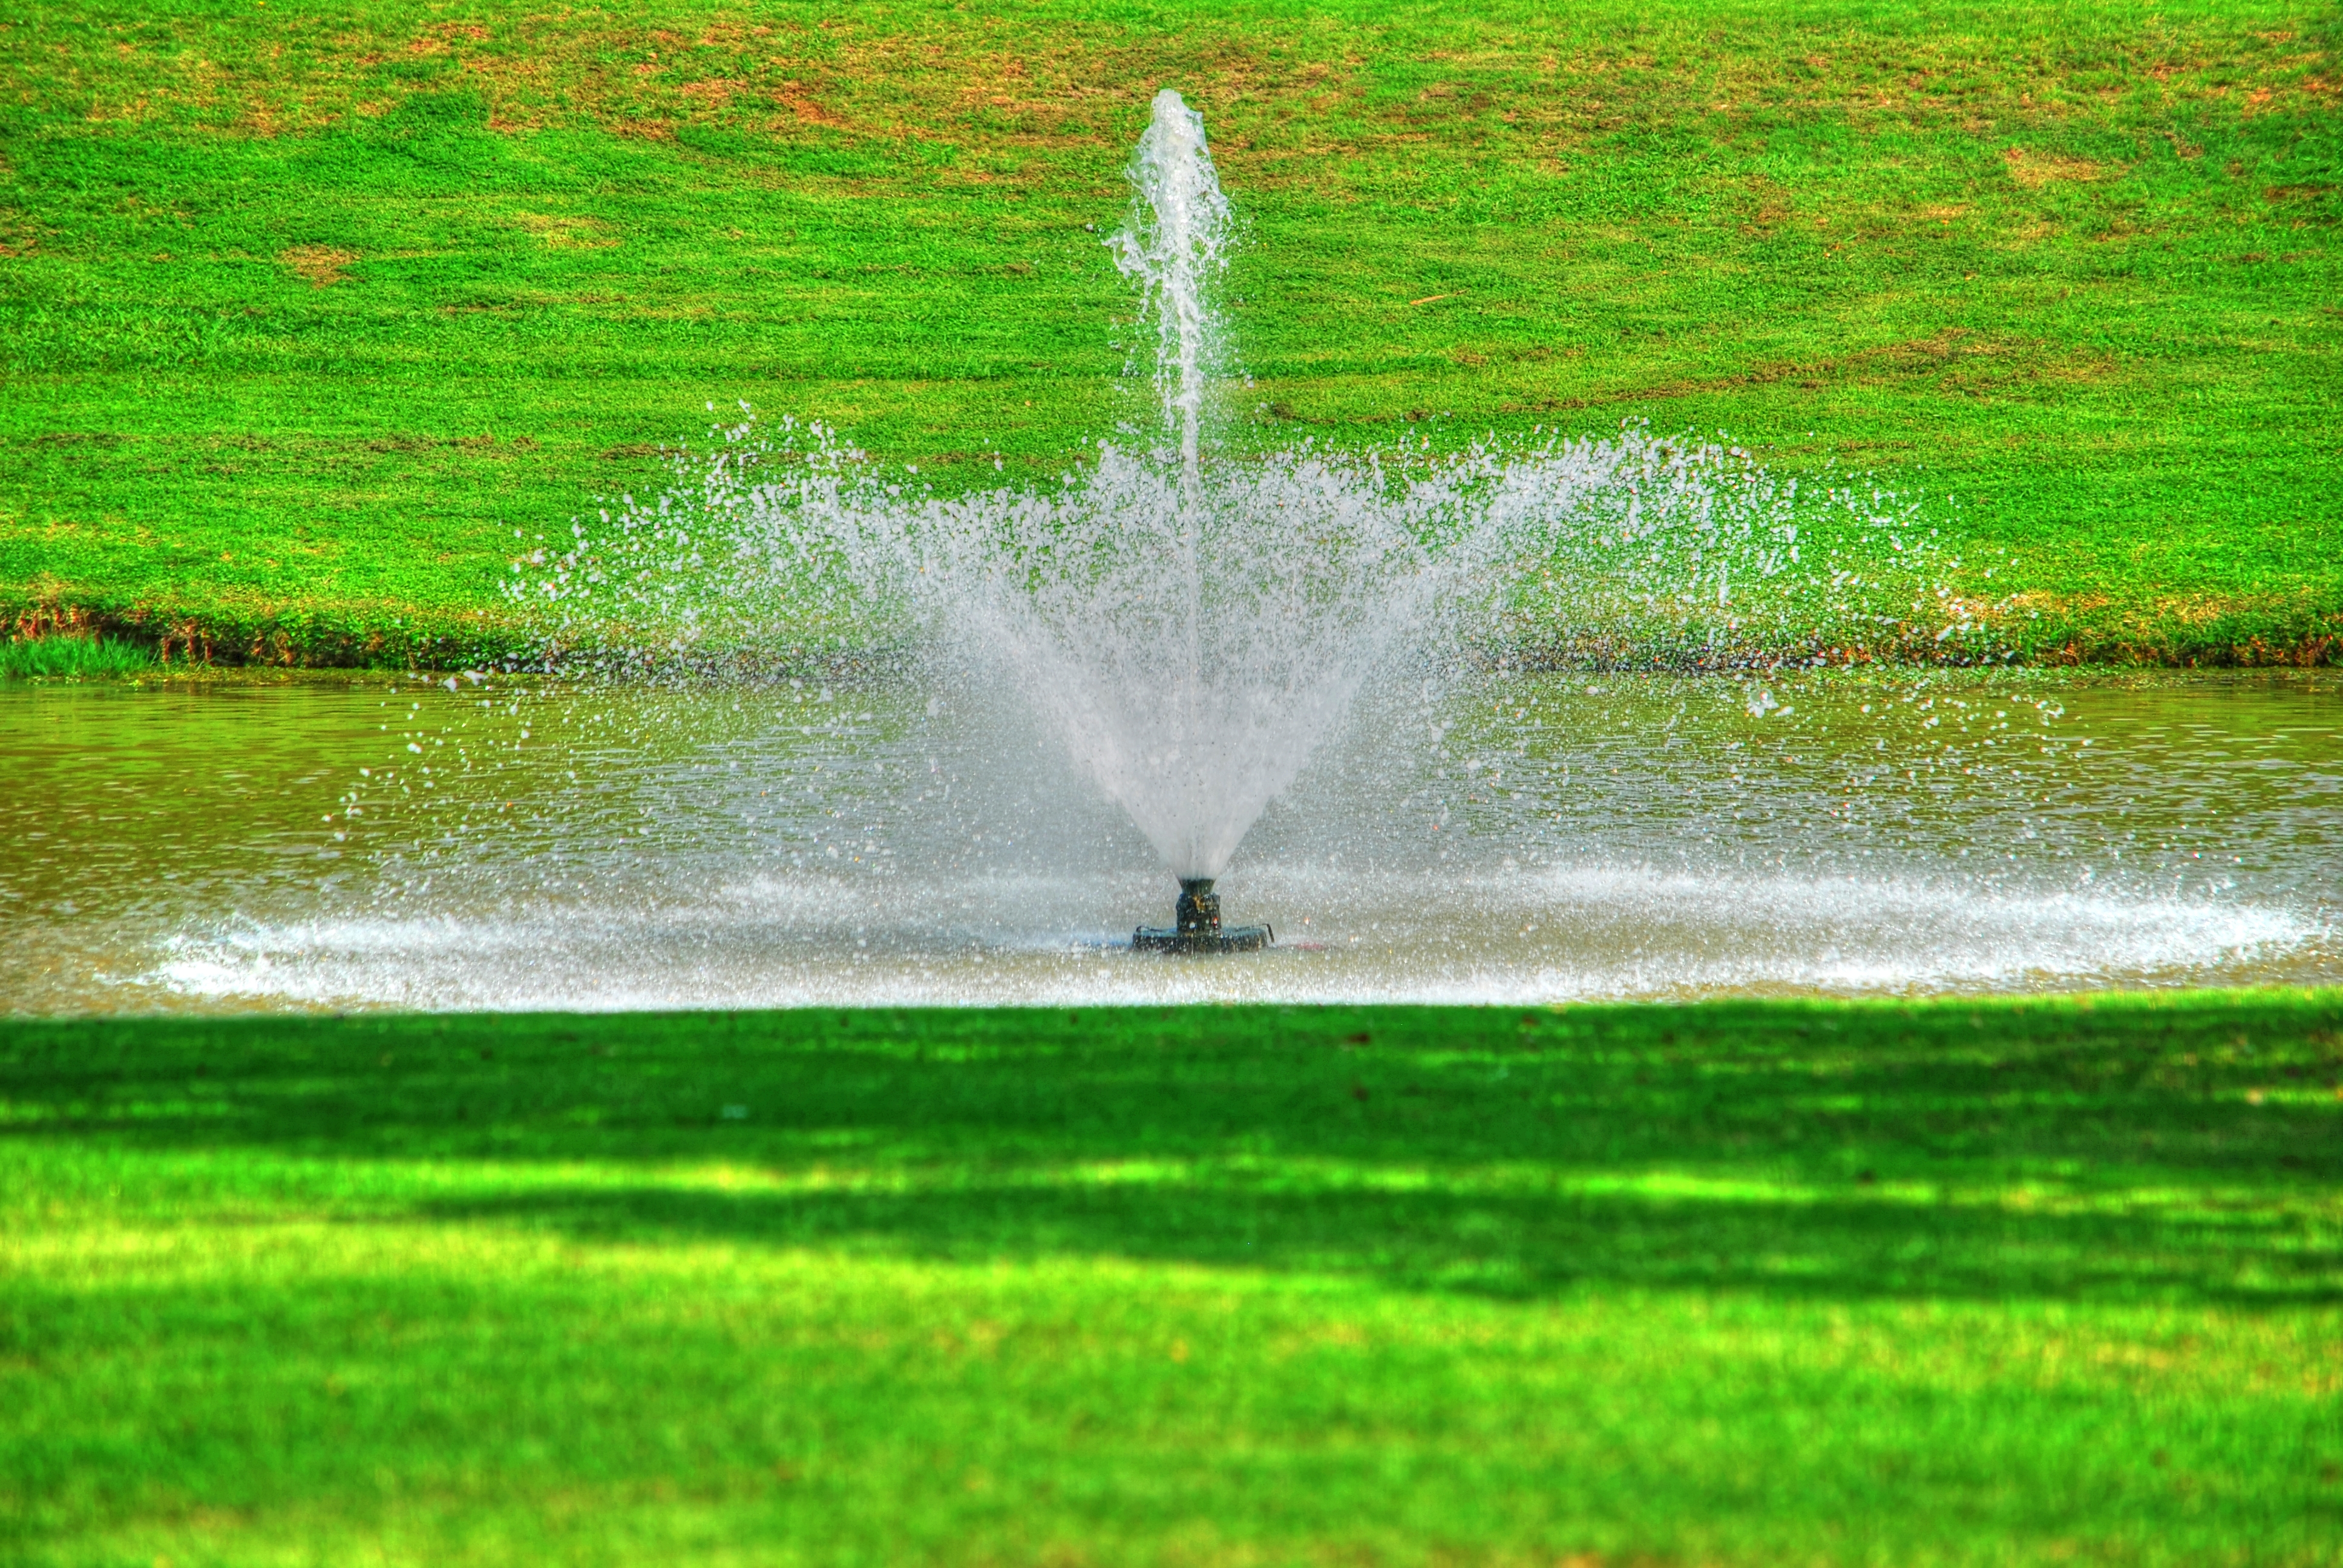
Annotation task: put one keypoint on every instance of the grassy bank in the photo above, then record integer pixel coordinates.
(1750, 1282)
(314, 317)
(72, 657)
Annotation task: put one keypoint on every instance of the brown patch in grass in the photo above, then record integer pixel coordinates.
(1287, 108)
(1961, 356)
(2171, 629)
(2035, 170)
(321, 264)
(807, 110)
(2052, 602)
(567, 233)
(2194, 609)
(2018, 237)
(17, 234)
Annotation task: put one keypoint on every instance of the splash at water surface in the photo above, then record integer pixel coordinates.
(1191, 620)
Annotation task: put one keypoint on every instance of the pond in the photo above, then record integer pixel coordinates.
(517, 843)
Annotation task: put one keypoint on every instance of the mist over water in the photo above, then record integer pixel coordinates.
(1190, 623)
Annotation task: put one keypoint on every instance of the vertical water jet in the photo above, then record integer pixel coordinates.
(1175, 245)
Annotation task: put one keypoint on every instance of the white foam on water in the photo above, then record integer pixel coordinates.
(1554, 935)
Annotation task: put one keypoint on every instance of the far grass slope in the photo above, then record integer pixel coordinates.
(314, 318)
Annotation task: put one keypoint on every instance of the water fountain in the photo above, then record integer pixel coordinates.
(1190, 623)
(1189, 620)
(966, 703)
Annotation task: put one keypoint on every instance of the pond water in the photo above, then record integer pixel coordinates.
(371, 841)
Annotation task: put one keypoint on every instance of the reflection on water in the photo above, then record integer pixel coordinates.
(381, 841)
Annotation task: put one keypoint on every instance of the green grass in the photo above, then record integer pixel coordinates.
(72, 655)
(2055, 1280)
(304, 312)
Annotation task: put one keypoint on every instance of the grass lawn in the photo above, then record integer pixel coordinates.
(2055, 1280)
(307, 310)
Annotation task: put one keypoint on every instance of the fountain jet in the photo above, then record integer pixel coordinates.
(1175, 245)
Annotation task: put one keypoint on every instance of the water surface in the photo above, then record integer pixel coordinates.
(510, 843)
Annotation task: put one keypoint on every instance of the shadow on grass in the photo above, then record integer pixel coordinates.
(2138, 1148)
(1519, 1246)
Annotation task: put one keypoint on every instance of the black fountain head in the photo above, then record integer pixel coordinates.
(1196, 926)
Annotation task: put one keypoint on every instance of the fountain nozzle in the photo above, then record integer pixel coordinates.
(1196, 926)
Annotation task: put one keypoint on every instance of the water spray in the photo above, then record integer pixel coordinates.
(1190, 625)
(1175, 247)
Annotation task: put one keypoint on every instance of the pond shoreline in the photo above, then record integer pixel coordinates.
(453, 640)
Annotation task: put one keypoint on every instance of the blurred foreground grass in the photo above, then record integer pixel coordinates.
(314, 317)
(2055, 1280)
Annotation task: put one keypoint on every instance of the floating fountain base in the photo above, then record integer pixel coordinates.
(1197, 927)
(1228, 940)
